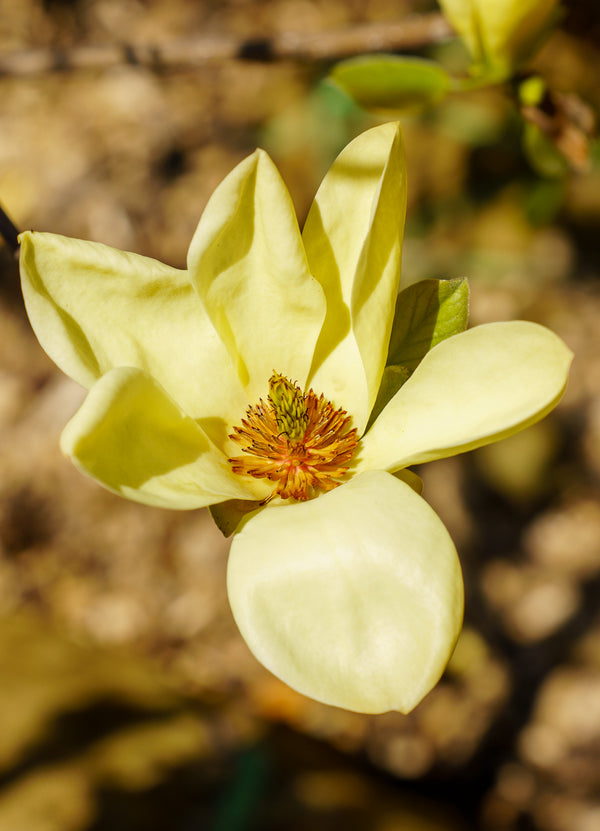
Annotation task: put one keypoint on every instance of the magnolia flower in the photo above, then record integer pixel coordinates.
(500, 34)
(246, 383)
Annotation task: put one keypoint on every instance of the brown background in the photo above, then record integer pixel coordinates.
(127, 698)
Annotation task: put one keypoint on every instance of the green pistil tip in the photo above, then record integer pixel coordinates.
(289, 405)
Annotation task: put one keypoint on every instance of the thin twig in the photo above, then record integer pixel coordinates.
(411, 33)
(9, 231)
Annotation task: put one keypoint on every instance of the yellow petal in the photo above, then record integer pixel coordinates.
(248, 265)
(94, 308)
(469, 390)
(353, 239)
(133, 439)
(354, 598)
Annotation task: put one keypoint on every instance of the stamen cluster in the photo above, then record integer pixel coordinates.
(298, 440)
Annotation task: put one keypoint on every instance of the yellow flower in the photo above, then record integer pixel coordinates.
(252, 376)
(500, 34)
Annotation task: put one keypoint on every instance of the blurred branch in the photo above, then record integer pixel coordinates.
(411, 33)
(9, 231)
(568, 123)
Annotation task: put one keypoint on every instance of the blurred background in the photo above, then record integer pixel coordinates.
(128, 700)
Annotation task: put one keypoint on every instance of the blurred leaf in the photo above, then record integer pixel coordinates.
(531, 91)
(477, 121)
(426, 313)
(241, 797)
(387, 83)
(542, 154)
(294, 135)
(545, 199)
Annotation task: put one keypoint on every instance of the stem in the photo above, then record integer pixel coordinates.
(9, 231)
(412, 32)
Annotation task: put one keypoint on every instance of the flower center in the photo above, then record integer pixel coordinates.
(298, 440)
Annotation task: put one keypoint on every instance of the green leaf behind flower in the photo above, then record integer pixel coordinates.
(389, 83)
(228, 515)
(426, 313)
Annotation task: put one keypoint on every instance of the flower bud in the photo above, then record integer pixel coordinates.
(500, 34)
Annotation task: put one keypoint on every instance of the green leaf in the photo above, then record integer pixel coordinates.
(531, 91)
(228, 515)
(392, 379)
(426, 313)
(543, 156)
(388, 83)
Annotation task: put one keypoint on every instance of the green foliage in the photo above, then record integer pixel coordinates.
(228, 515)
(542, 154)
(392, 379)
(426, 313)
(500, 38)
(389, 83)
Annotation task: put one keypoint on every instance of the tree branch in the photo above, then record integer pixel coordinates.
(9, 231)
(411, 33)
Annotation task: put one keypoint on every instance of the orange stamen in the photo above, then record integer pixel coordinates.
(310, 457)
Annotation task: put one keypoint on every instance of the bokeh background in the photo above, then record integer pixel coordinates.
(128, 700)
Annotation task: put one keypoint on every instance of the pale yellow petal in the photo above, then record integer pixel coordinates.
(353, 238)
(136, 441)
(469, 390)
(248, 265)
(94, 308)
(354, 598)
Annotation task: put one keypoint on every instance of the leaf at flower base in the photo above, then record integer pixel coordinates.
(354, 598)
(136, 441)
(228, 515)
(426, 313)
(474, 388)
(385, 84)
(392, 379)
